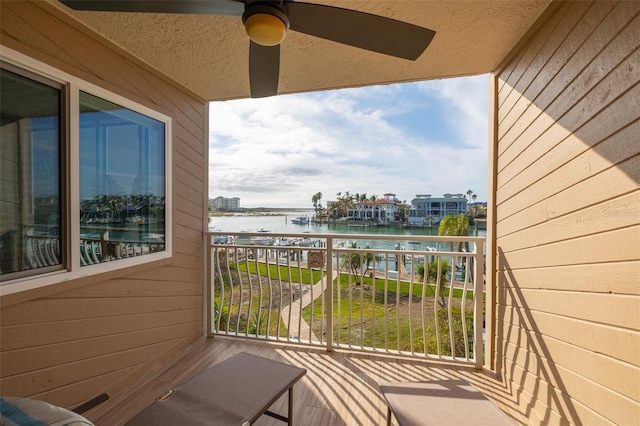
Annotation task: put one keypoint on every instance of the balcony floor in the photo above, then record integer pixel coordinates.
(340, 388)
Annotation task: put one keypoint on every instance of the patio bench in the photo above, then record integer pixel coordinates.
(235, 392)
(440, 402)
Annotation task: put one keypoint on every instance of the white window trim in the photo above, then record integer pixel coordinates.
(74, 270)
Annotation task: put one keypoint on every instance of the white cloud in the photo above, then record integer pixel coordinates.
(279, 151)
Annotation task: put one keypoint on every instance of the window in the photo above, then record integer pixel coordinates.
(30, 175)
(122, 190)
(84, 199)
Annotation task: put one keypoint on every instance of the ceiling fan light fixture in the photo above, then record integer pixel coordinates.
(265, 24)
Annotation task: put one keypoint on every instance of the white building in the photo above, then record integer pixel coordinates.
(424, 205)
(384, 210)
(225, 204)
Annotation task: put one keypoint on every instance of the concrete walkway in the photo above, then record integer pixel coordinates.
(299, 329)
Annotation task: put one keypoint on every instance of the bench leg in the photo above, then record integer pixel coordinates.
(290, 420)
(388, 416)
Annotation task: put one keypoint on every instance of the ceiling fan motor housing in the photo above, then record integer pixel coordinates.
(265, 23)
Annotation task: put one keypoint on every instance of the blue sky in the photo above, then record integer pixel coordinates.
(407, 139)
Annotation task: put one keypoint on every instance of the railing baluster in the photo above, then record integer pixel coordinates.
(398, 331)
(411, 258)
(454, 262)
(463, 307)
(259, 318)
(373, 303)
(478, 281)
(235, 254)
(436, 304)
(338, 315)
(423, 310)
(280, 295)
(329, 299)
(386, 301)
(362, 299)
(268, 265)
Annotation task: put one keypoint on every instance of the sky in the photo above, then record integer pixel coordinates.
(406, 139)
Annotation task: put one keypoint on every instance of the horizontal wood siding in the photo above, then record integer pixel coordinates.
(76, 341)
(567, 214)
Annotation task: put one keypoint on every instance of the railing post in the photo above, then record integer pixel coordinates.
(208, 290)
(478, 273)
(329, 295)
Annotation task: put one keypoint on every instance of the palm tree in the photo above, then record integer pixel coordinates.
(432, 276)
(317, 205)
(455, 226)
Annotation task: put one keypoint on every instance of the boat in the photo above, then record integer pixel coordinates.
(300, 220)
(282, 241)
(242, 239)
(219, 239)
(307, 242)
(262, 241)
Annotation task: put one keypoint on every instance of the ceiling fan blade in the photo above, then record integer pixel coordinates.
(192, 7)
(264, 70)
(359, 29)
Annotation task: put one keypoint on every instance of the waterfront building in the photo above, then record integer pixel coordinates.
(424, 205)
(384, 210)
(225, 204)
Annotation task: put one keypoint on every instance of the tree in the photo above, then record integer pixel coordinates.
(403, 213)
(455, 226)
(317, 205)
(343, 203)
(432, 276)
(459, 349)
(352, 262)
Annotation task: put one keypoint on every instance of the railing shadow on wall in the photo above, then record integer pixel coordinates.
(520, 320)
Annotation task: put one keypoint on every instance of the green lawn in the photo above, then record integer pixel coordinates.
(362, 317)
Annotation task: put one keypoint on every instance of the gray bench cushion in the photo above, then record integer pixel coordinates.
(441, 402)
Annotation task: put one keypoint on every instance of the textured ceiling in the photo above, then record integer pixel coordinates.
(209, 54)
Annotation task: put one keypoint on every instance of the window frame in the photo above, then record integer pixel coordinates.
(70, 174)
(62, 178)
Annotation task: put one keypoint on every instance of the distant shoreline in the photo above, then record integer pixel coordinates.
(261, 212)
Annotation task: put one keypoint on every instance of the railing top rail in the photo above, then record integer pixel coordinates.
(350, 236)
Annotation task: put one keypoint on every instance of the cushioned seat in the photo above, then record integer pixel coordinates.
(235, 392)
(441, 403)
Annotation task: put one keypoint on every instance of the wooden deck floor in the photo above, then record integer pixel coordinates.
(340, 388)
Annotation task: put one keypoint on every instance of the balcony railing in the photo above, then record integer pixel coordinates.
(412, 295)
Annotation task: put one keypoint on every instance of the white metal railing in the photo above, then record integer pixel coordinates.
(415, 295)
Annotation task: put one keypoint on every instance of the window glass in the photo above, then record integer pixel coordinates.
(30, 176)
(122, 182)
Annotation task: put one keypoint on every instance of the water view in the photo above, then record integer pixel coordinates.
(283, 224)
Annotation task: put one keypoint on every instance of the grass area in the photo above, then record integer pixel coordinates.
(368, 311)
(280, 272)
(404, 287)
(254, 307)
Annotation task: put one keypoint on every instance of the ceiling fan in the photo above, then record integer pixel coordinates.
(267, 22)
